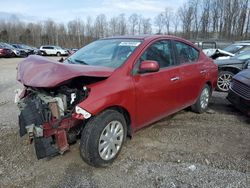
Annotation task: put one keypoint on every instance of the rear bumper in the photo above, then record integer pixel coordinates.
(239, 102)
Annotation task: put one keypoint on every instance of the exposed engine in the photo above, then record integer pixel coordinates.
(50, 106)
(44, 105)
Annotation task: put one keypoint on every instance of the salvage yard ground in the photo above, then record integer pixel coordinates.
(184, 150)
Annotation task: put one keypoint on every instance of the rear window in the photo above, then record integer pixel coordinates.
(48, 47)
(186, 53)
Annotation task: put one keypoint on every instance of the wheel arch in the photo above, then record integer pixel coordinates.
(126, 115)
(209, 83)
(232, 69)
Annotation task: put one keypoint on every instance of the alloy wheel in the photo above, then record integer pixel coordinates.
(224, 80)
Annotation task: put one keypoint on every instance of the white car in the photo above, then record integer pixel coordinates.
(53, 50)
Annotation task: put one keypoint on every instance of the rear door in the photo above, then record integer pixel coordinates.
(157, 92)
(192, 72)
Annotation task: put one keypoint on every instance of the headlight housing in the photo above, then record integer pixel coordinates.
(83, 112)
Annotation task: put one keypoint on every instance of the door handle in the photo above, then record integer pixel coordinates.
(203, 71)
(175, 78)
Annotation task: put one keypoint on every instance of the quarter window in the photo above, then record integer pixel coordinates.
(186, 53)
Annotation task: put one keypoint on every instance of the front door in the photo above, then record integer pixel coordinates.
(157, 92)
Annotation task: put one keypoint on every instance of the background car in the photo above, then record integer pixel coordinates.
(239, 92)
(238, 47)
(53, 50)
(28, 50)
(5, 51)
(17, 51)
(229, 67)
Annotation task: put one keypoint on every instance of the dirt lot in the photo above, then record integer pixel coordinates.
(184, 150)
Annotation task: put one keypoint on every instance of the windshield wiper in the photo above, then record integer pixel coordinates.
(81, 61)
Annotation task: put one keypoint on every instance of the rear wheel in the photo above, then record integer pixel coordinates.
(202, 102)
(224, 80)
(102, 138)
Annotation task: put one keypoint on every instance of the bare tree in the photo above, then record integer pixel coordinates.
(122, 25)
(176, 22)
(146, 26)
(225, 19)
(100, 26)
(159, 22)
(113, 26)
(133, 20)
(186, 13)
(205, 18)
(168, 16)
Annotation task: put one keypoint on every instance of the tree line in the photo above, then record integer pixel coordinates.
(194, 20)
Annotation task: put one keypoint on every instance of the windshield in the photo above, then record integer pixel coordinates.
(243, 56)
(109, 52)
(233, 48)
(8, 46)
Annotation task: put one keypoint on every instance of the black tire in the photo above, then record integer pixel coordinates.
(223, 81)
(91, 136)
(58, 54)
(199, 106)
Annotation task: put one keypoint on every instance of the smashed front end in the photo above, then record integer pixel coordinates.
(47, 116)
(48, 103)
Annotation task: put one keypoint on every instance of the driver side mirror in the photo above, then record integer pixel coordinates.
(149, 66)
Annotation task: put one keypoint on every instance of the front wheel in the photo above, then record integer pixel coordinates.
(58, 54)
(102, 138)
(202, 102)
(224, 80)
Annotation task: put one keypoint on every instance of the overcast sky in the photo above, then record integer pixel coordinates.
(65, 10)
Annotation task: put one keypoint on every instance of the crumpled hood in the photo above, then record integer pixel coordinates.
(228, 61)
(37, 71)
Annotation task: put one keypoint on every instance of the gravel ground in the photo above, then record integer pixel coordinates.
(184, 150)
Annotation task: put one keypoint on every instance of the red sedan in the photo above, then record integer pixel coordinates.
(108, 90)
(6, 52)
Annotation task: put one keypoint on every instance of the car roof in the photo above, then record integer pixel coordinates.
(242, 43)
(49, 46)
(144, 37)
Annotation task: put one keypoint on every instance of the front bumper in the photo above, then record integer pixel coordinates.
(239, 102)
(53, 139)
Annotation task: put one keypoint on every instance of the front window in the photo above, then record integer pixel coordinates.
(108, 52)
(161, 52)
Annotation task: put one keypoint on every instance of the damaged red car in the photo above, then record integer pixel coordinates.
(109, 89)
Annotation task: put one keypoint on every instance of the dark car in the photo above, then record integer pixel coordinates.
(109, 89)
(28, 49)
(238, 47)
(5, 51)
(17, 51)
(229, 67)
(239, 92)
